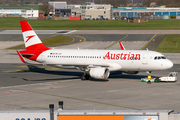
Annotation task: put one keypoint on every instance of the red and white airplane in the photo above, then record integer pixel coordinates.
(94, 63)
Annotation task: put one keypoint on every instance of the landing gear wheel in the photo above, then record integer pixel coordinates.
(85, 77)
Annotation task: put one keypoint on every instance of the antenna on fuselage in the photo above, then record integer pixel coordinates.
(147, 49)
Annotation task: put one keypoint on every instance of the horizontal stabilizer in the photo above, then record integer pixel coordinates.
(27, 54)
(20, 56)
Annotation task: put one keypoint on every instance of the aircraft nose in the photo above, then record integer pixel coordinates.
(169, 64)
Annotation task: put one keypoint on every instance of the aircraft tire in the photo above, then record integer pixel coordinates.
(87, 77)
(83, 77)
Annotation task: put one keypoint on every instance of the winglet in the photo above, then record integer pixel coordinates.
(20, 56)
(121, 45)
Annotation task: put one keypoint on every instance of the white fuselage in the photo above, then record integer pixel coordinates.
(124, 60)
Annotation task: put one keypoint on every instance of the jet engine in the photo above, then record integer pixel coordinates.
(99, 73)
(131, 72)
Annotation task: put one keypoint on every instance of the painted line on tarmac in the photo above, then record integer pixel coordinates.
(12, 105)
(82, 38)
(72, 36)
(15, 71)
(70, 32)
(148, 42)
(15, 39)
(116, 42)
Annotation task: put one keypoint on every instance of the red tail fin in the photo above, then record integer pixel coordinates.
(31, 40)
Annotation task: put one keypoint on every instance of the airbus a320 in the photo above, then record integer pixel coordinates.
(95, 63)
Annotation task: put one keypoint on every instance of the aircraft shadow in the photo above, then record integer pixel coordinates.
(114, 74)
(53, 72)
(52, 79)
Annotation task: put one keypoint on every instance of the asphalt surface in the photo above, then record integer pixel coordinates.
(23, 89)
(115, 37)
(19, 37)
(91, 37)
(35, 87)
(154, 42)
(20, 74)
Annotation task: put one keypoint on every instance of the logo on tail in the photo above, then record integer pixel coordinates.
(29, 37)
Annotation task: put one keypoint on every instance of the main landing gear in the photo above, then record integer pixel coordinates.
(85, 77)
(86, 73)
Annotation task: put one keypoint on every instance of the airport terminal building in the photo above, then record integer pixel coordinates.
(19, 13)
(146, 12)
(87, 11)
(96, 11)
(92, 11)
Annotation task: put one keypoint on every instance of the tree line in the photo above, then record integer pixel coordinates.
(115, 3)
(168, 3)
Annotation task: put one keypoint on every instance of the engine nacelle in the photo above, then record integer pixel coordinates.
(131, 72)
(99, 73)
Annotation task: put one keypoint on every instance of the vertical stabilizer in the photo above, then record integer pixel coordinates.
(31, 40)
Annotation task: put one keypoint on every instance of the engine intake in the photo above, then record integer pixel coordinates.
(99, 73)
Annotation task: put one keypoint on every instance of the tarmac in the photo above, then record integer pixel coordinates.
(36, 87)
(22, 89)
(96, 32)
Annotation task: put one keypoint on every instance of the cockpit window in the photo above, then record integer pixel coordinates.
(159, 57)
(163, 57)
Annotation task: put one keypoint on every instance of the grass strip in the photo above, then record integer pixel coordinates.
(169, 44)
(50, 41)
(154, 24)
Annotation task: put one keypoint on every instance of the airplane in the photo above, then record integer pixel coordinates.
(95, 63)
